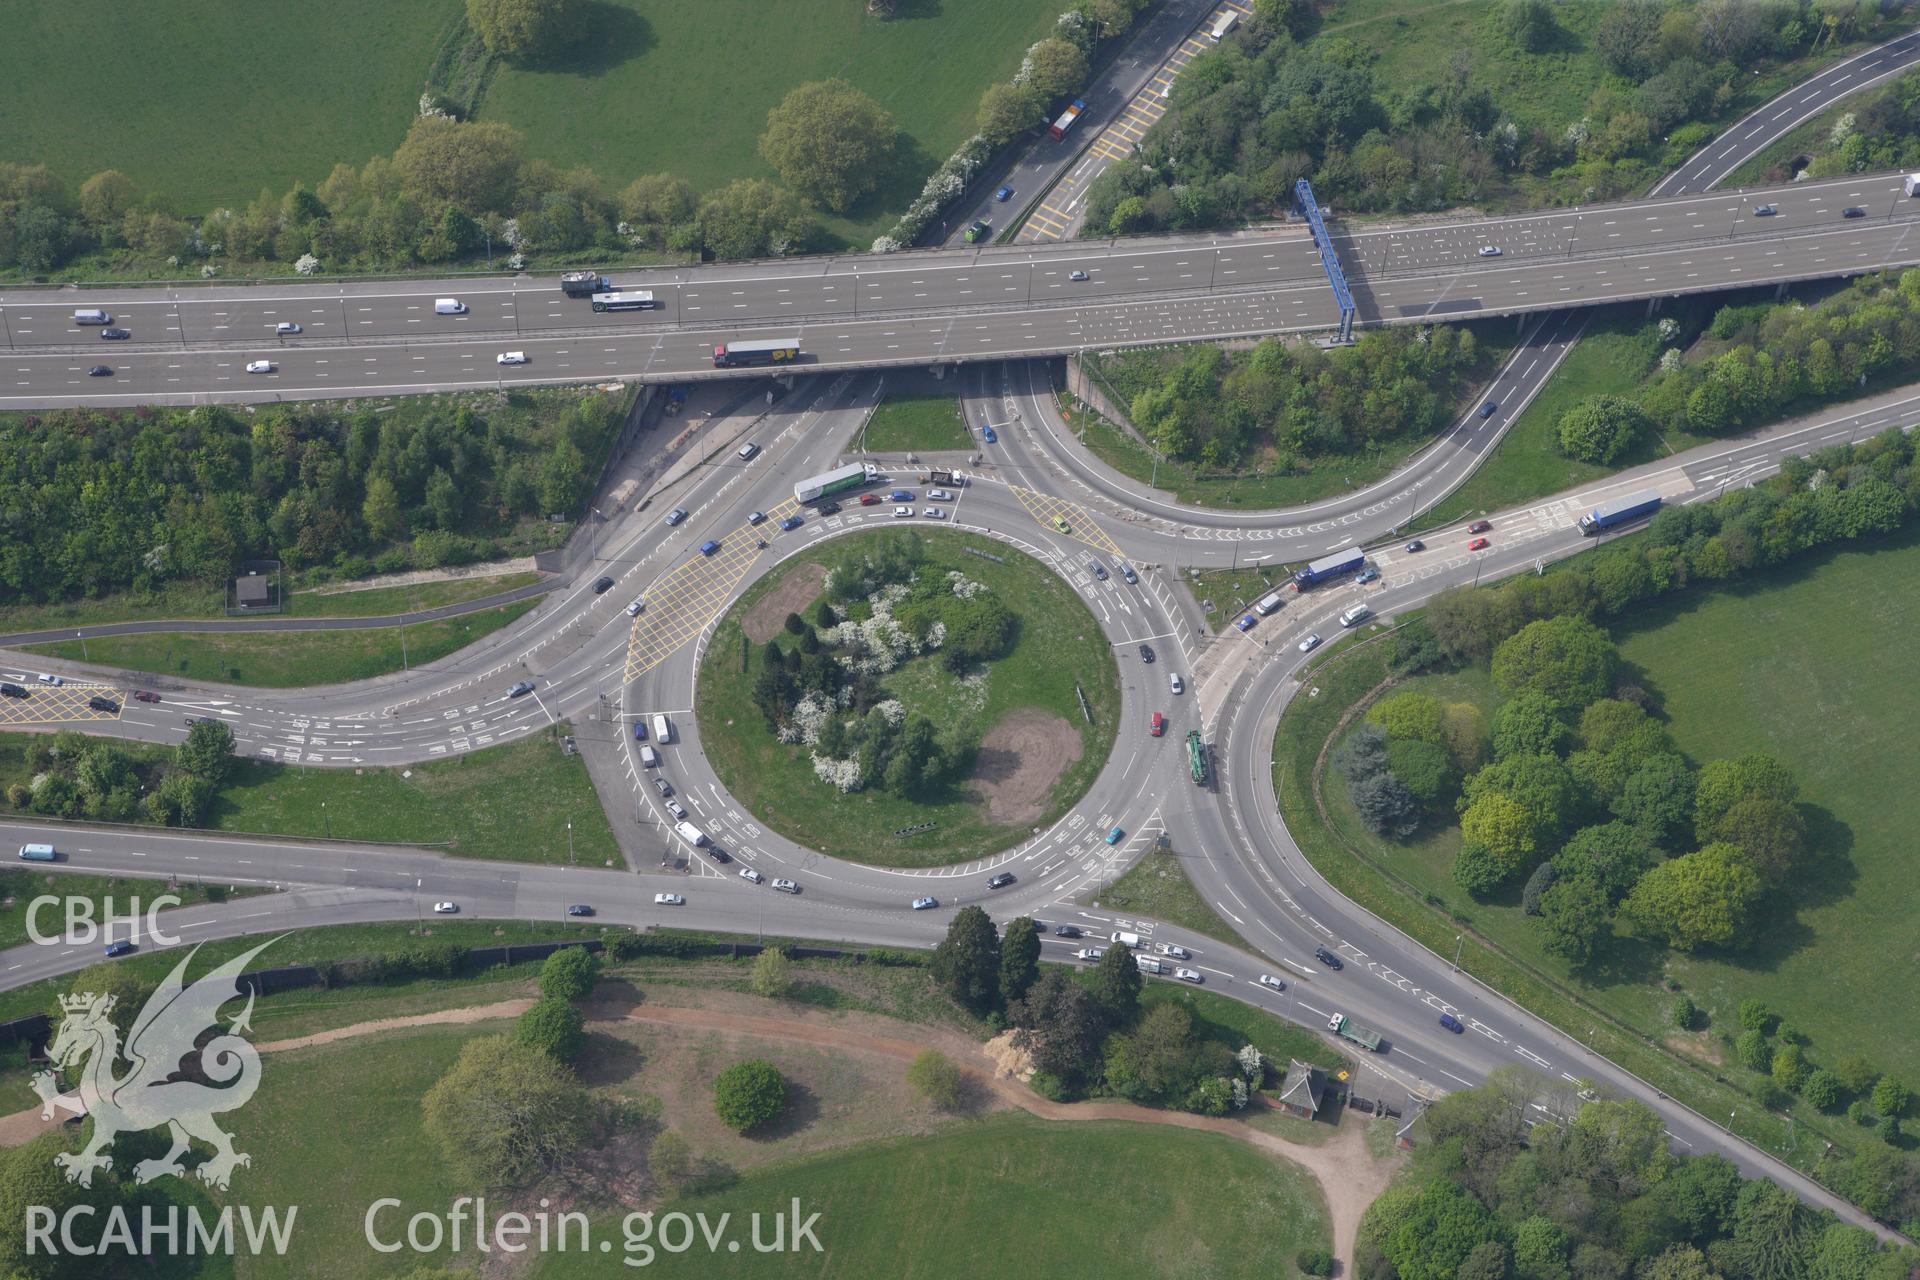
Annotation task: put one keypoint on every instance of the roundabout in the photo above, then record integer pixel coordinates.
(908, 698)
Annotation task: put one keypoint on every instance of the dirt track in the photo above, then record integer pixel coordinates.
(1348, 1175)
(795, 593)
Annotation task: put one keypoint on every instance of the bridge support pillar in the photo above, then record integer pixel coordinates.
(1780, 291)
(1653, 305)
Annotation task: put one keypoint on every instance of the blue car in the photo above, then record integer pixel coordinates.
(987, 434)
(900, 495)
(1452, 1023)
(119, 948)
(639, 730)
(1003, 194)
(1246, 622)
(1113, 836)
(790, 523)
(1368, 574)
(708, 547)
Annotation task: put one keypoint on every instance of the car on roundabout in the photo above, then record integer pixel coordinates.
(933, 513)
(925, 904)
(1189, 975)
(1060, 523)
(1001, 881)
(1066, 931)
(790, 524)
(145, 695)
(1452, 1023)
(121, 948)
(750, 875)
(785, 886)
(1480, 526)
(446, 908)
(986, 433)
(1479, 544)
(708, 547)
(1115, 836)
(1416, 546)
(1089, 953)
(756, 517)
(1366, 575)
(520, 689)
(668, 900)
(871, 499)
(1271, 983)
(1173, 949)
(1146, 654)
(1327, 958)
(1245, 622)
(902, 513)
(1311, 643)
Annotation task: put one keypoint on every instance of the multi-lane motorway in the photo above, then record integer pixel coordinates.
(936, 307)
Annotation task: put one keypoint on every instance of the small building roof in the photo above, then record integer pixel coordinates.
(1303, 1086)
(253, 589)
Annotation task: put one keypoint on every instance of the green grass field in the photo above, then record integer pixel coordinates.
(20, 887)
(509, 803)
(1058, 645)
(191, 600)
(1106, 1197)
(916, 424)
(1614, 357)
(205, 104)
(287, 659)
(687, 88)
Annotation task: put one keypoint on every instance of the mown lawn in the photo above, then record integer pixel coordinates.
(686, 88)
(916, 424)
(205, 104)
(1110, 1197)
(511, 803)
(1059, 645)
(286, 659)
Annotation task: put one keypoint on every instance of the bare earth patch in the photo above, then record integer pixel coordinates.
(796, 591)
(1019, 761)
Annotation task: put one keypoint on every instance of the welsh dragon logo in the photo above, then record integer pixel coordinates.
(173, 1080)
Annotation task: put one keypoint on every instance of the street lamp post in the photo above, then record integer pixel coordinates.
(569, 843)
(326, 822)
(1459, 941)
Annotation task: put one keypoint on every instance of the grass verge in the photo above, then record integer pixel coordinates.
(1059, 647)
(915, 424)
(287, 659)
(1156, 886)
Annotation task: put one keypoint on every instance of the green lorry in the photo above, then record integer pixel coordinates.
(1366, 1037)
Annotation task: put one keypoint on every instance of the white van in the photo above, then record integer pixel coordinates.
(449, 307)
(649, 758)
(1355, 616)
(92, 316)
(1126, 940)
(690, 833)
(1228, 21)
(662, 731)
(1147, 964)
(1268, 605)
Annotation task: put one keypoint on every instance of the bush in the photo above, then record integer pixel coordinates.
(552, 1026)
(935, 1077)
(1754, 1051)
(749, 1094)
(569, 974)
(1537, 885)
(772, 974)
(1822, 1089)
(1314, 1262)
(1684, 1013)
(1756, 1016)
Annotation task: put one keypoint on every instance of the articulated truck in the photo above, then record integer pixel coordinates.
(1611, 515)
(1197, 758)
(1336, 565)
(1366, 1037)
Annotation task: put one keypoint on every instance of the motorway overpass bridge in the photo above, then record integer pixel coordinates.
(193, 344)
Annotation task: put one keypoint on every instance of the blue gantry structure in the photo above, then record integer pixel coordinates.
(1329, 260)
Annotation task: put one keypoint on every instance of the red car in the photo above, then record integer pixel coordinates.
(1478, 544)
(1157, 726)
(869, 499)
(1480, 526)
(142, 695)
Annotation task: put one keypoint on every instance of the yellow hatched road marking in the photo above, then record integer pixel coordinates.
(1045, 509)
(684, 599)
(60, 704)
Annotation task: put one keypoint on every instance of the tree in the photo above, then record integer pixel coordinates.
(967, 961)
(1503, 827)
(1488, 1260)
(1623, 1144)
(105, 199)
(1478, 871)
(1115, 983)
(29, 1180)
(505, 1113)
(1724, 783)
(1601, 428)
(1678, 1262)
(208, 751)
(1822, 1089)
(1424, 769)
(381, 510)
(1384, 804)
(750, 218)
(1530, 724)
(1891, 1097)
(1755, 1015)
(1698, 899)
(828, 141)
(1856, 1074)
(1568, 659)
(1418, 716)
(569, 974)
(935, 1077)
(657, 200)
(1531, 25)
(526, 30)
(1574, 917)
(773, 975)
(1769, 831)
(1007, 111)
(472, 165)
(1771, 1231)
(1789, 1067)
(749, 1094)
(1059, 1024)
(1156, 1061)
(1540, 1249)
(1625, 35)
(1055, 68)
(1428, 1231)
(552, 1026)
(1614, 856)
(1019, 958)
(1536, 888)
(1755, 1053)
(1657, 797)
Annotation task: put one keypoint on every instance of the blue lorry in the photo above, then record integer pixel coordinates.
(1620, 511)
(1326, 567)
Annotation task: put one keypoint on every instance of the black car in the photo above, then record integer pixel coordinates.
(1098, 570)
(664, 787)
(1001, 881)
(829, 508)
(1851, 211)
(110, 334)
(1327, 958)
(1146, 653)
(520, 689)
(1416, 545)
(719, 855)
(1066, 931)
(12, 690)
(579, 909)
(99, 703)
(100, 371)
(603, 586)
